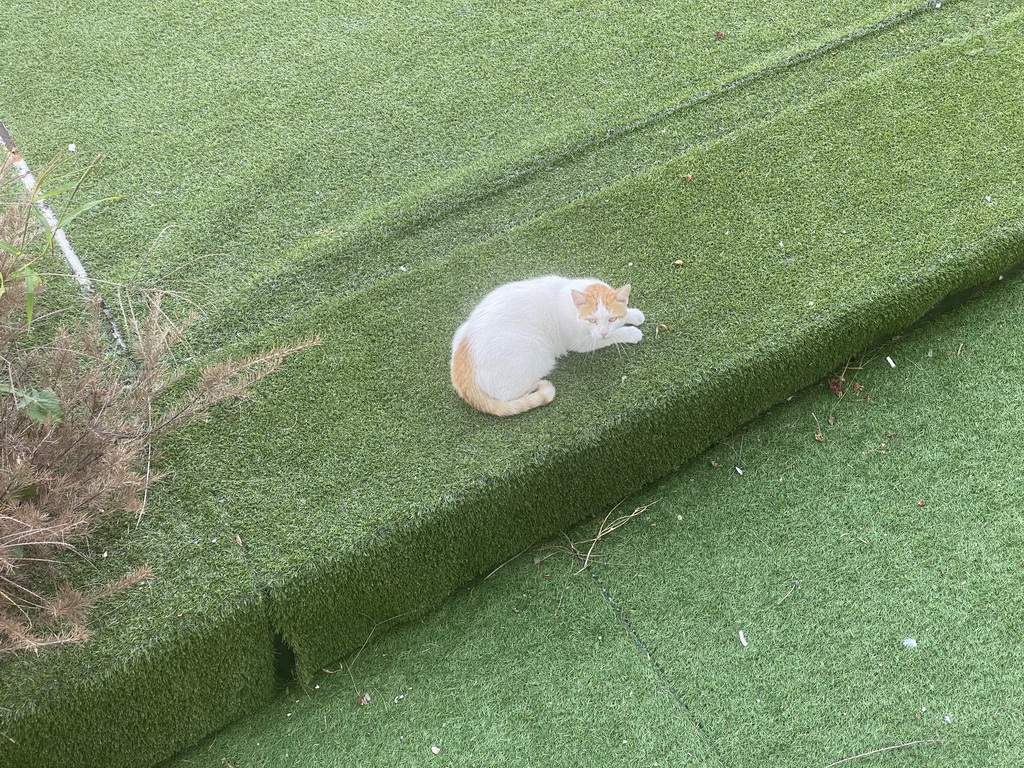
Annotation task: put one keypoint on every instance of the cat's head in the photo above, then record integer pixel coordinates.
(600, 309)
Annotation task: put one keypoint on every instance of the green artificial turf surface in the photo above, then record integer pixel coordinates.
(820, 552)
(789, 266)
(511, 672)
(354, 176)
(251, 130)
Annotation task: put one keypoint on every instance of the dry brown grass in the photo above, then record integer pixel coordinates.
(79, 424)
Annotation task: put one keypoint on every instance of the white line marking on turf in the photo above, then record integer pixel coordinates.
(28, 179)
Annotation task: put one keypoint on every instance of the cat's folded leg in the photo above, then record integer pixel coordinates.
(634, 316)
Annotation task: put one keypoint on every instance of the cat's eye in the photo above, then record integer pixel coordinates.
(591, 319)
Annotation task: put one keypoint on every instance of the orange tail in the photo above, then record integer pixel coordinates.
(464, 381)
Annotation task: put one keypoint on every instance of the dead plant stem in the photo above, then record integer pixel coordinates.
(883, 749)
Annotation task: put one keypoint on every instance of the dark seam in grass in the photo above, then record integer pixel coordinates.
(658, 670)
(558, 156)
(615, 132)
(450, 202)
(567, 154)
(1010, 236)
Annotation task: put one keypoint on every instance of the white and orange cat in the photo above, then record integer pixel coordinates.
(511, 341)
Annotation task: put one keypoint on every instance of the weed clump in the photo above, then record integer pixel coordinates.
(79, 424)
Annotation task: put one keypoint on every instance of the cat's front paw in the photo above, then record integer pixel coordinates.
(634, 316)
(628, 334)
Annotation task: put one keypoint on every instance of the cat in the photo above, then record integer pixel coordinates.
(511, 341)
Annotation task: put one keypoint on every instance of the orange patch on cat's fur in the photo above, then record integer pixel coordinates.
(463, 373)
(464, 380)
(614, 299)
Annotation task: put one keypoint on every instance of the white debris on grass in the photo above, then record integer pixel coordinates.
(743, 639)
(890, 362)
(909, 642)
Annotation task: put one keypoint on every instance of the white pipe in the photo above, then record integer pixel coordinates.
(66, 249)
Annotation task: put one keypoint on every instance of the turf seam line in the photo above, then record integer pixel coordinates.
(450, 200)
(618, 131)
(28, 180)
(659, 671)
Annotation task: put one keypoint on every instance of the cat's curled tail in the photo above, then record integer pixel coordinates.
(464, 381)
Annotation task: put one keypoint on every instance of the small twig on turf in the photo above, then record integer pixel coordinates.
(369, 637)
(817, 435)
(145, 488)
(504, 564)
(792, 589)
(884, 749)
(603, 529)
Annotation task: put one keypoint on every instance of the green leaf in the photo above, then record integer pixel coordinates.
(40, 404)
(36, 213)
(71, 215)
(5, 246)
(32, 281)
(60, 189)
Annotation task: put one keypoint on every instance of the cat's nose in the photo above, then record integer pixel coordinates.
(603, 332)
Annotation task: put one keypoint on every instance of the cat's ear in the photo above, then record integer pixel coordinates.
(623, 294)
(578, 298)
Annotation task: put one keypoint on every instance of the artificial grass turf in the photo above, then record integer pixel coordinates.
(363, 491)
(426, 226)
(169, 660)
(410, 484)
(527, 668)
(819, 552)
(904, 521)
(250, 130)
